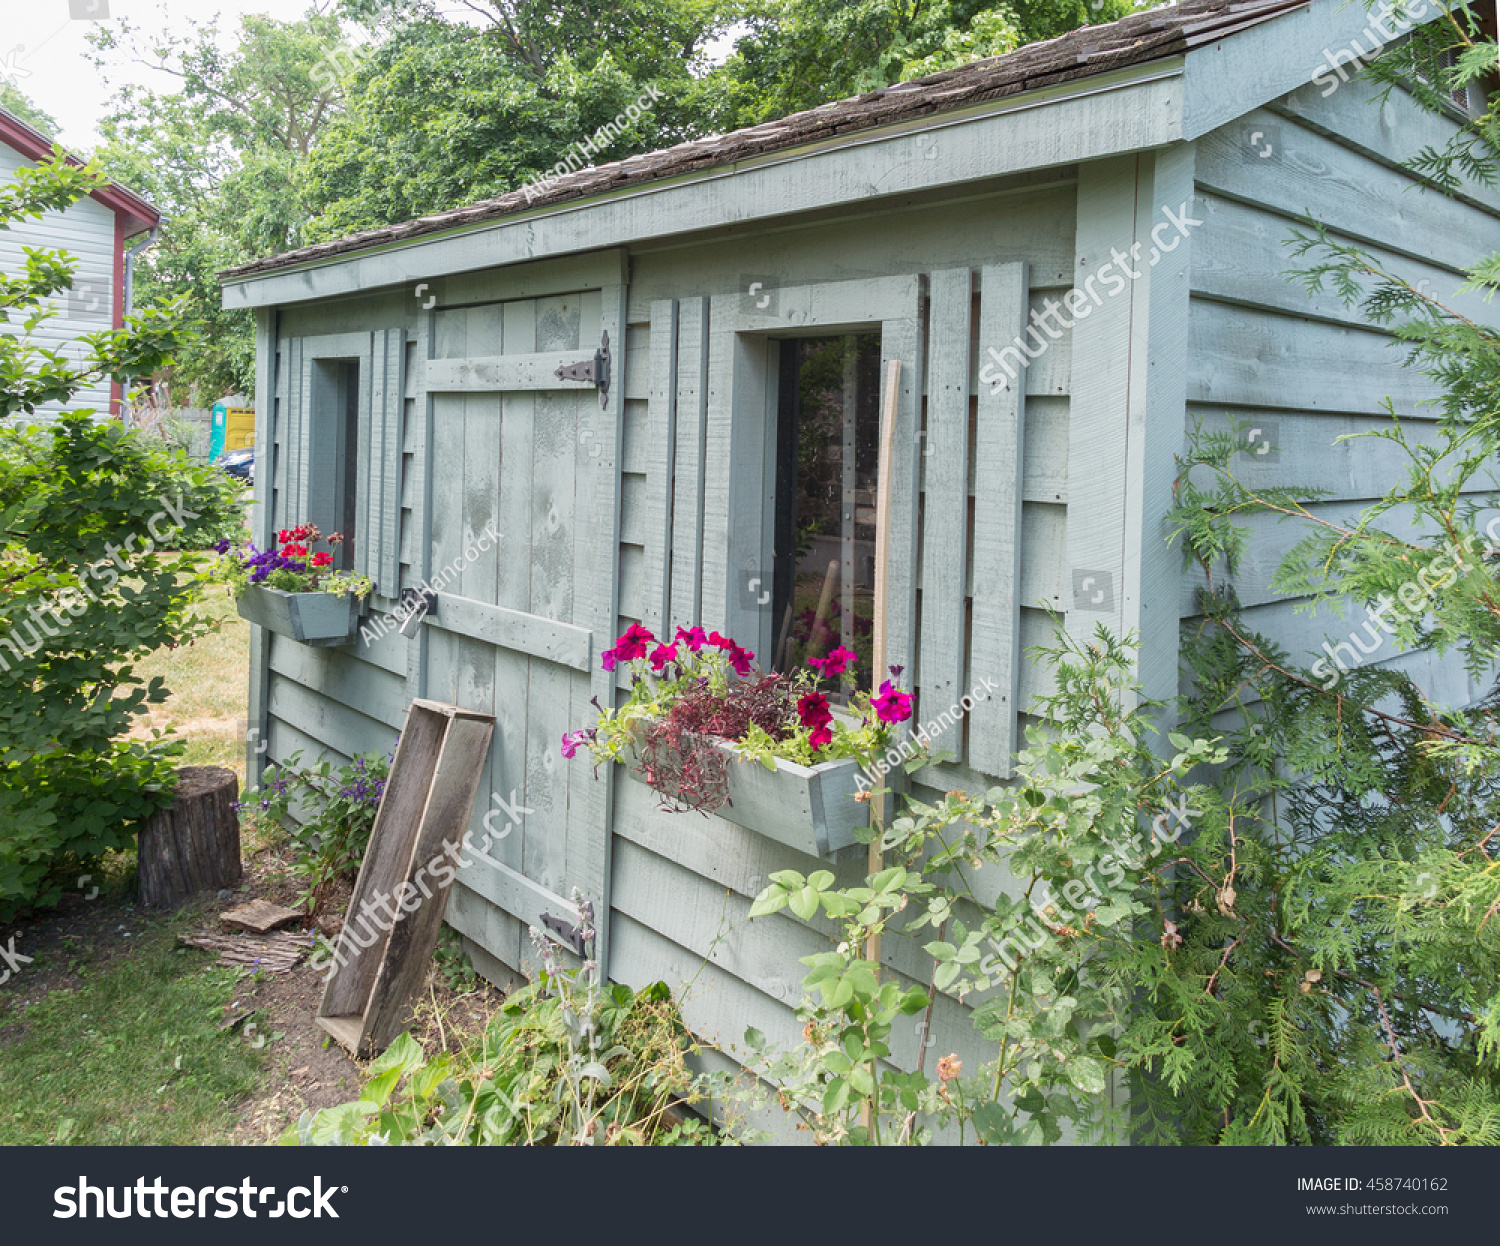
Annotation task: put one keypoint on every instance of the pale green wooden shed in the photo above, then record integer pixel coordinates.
(1072, 251)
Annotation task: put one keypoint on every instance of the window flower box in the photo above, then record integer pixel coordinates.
(315, 618)
(810, 808)
(707, 731)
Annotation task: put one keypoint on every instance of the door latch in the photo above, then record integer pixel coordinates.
(416, 604)
(595, 370)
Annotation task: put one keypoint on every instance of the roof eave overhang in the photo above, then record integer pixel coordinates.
(1274, 58)
(1126, 110)
(136, 214)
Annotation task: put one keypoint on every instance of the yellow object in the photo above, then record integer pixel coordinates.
(239, 427)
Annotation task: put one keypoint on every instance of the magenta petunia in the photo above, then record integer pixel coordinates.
(819, 737)
(891, 705)
(635, 643)
(836, 663)
(661, 655)
(572, 740)
(742, 660)
(693, 637)
(608, 658)
(813, 710)
(720, 642)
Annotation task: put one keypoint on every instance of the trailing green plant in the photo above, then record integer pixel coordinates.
(85, 588)
(329, 810)
(568, 1061)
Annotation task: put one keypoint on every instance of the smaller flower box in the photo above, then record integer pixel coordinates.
(309, 618)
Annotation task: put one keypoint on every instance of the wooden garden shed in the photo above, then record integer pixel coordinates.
(1072, 251)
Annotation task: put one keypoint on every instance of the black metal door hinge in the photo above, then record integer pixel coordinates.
(565, 933)
(595, 370)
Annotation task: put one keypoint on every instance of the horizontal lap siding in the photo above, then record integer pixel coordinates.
(86, 231)
(1309, 370)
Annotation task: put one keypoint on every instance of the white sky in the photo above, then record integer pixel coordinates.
(42, 49)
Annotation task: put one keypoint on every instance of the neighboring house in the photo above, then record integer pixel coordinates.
(96, 232)
(1073, 252)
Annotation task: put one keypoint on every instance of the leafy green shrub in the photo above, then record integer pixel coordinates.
(565, 1062)
(334, 808)
(85, 589)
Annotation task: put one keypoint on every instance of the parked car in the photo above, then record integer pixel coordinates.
(240, 463)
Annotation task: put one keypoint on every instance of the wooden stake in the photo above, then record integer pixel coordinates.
(882, 580)
(820, 628)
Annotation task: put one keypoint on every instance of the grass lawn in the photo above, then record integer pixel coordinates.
(209, 681)
(113, 1040)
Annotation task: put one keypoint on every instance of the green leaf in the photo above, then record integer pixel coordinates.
(804, 902)
(771, 900)
(1086, 1073)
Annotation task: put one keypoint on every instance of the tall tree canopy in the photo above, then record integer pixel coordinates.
(367, 112)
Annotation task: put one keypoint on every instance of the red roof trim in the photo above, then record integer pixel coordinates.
(135, 214)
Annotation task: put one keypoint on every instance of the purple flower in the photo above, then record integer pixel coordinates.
(572, 740)
(222, 547)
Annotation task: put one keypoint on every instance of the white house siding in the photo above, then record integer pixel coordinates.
(86, 230)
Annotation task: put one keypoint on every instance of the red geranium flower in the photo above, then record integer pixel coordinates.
(322, 560)
(294, 551)
(892, 706)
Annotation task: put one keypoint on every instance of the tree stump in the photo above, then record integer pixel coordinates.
(194, 845)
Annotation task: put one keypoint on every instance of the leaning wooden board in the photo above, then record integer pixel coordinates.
(428, 801)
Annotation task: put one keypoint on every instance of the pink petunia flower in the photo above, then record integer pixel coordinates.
(891, 705)
(693, 637)
(635, 643)
(819, 737)
(836, 663)
(720, 642)
(572, 740)
(661, 655)
(607, 659)
(813, 711)
(742, 660)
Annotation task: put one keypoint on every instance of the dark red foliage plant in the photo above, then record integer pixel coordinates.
(680, 758)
